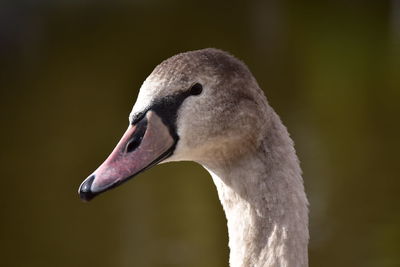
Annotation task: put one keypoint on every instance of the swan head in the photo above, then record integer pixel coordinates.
(202, 106)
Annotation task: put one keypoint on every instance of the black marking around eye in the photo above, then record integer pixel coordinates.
(138, 116)
(167, 108)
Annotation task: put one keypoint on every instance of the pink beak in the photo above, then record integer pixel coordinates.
(143, 145)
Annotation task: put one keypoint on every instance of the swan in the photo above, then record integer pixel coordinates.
(205, 106)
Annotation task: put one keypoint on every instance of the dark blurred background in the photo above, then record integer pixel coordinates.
(70, 72)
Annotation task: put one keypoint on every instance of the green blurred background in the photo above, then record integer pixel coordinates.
(70, 72)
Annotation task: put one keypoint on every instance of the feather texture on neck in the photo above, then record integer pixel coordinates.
(263, 198)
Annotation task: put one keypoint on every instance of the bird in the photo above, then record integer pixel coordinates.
(206, 106)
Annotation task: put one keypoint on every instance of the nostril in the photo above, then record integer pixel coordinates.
(137, 136)
(133, 144)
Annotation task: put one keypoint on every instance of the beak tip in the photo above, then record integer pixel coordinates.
(85, 191)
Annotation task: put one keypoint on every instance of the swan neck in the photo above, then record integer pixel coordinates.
(263, 198)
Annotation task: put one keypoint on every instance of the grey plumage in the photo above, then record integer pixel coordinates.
(228, 127)
(233, 132)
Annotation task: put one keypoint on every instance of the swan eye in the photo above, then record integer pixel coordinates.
(196, 89)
